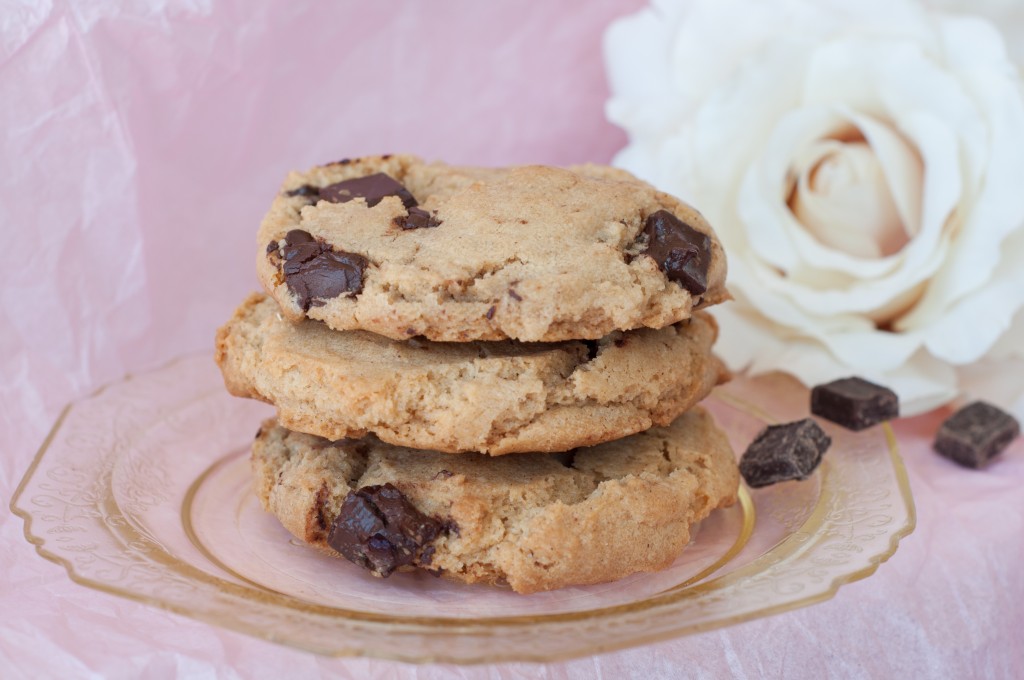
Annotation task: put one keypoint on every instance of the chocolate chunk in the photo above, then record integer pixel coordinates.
(314, 271)
(490, 312)
(682, 252)
(272, 253)
(374, 188)
(784, 452)
(514, 295)
(305, 190)
(416, 218)
(854, 403)
(566, 458)
(380, 530)
(975, 434)
(298, 236)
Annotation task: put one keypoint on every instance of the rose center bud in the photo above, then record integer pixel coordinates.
(842, 198)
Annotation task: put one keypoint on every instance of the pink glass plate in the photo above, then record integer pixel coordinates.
(142, 491)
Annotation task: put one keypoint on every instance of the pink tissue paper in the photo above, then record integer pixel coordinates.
(142, 142)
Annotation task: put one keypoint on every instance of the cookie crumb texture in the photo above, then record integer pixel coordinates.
(534, 521)
(456, 254)
(491, 397)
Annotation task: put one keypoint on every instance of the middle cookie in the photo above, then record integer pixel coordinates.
(491, 397)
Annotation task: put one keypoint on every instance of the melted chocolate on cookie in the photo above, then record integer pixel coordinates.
(307, 190)
(380, 530)
(315, 271)
(681, 251)
(374, 188)
(416, 218)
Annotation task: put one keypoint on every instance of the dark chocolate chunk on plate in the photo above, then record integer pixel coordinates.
(681, 252)
(975, 434)
(380, 530)
(374, 188)
(854, 403)
(784, 452)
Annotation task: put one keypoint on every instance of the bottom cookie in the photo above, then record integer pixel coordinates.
(534, 521)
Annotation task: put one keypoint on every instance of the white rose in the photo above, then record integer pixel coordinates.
(1007, 15)
(863, 164)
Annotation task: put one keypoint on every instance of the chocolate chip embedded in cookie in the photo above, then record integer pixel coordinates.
(604, 513)
(373, 188)
(529, 253)
(306, 190)
(681, 251)
(494, 397)
(380, 530)
(314, 271)
(416, 218)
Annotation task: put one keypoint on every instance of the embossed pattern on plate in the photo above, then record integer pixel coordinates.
(142, 491)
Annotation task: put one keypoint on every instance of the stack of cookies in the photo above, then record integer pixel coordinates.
(489, 374)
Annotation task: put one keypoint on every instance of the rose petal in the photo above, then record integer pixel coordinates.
(726, 136)
(746, 342)
(975, 44)
(697, 70)
(770, 225)
(767, 222)
(842, 198)
(997, 382)
(806, 282)
(922, 383)
(901, 165)
(852, 338)
(998, 208)
(636, 49)
(971, 326)
(920, 259)
(1011, 344)
(997, 377)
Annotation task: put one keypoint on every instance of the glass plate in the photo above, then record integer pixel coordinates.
(142, 491)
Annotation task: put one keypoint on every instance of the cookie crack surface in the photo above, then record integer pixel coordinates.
(492, 397)
(533, 225)
(526, 520)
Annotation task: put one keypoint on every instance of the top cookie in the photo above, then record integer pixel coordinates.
(399, 247)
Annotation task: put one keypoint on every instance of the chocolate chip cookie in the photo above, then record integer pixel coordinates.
(534, 521)
(403, 248)
(492, 397)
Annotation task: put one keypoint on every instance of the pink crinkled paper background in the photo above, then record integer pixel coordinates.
(141, 144)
